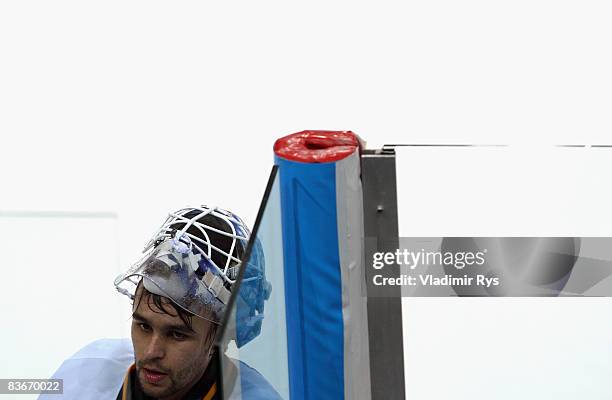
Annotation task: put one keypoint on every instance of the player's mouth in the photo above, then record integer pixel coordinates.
(153, 376)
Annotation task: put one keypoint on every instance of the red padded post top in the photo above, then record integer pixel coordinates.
(317, 146)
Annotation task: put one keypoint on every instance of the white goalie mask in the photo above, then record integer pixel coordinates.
(193, 259)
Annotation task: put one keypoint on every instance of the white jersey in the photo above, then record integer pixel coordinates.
(96, 372)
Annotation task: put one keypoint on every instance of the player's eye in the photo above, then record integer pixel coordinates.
(144, 327)
(178, 335)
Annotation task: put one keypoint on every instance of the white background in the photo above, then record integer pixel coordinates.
(131, 109)
(506, 348)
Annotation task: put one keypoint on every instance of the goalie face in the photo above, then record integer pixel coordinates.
(171, 349)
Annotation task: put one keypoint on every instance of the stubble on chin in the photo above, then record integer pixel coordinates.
(153, 390)
(180, 381)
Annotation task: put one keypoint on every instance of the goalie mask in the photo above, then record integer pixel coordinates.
(194, 260)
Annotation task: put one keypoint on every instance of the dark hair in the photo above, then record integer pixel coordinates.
(161, 308)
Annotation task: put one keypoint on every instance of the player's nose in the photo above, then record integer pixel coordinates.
(155, 348)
